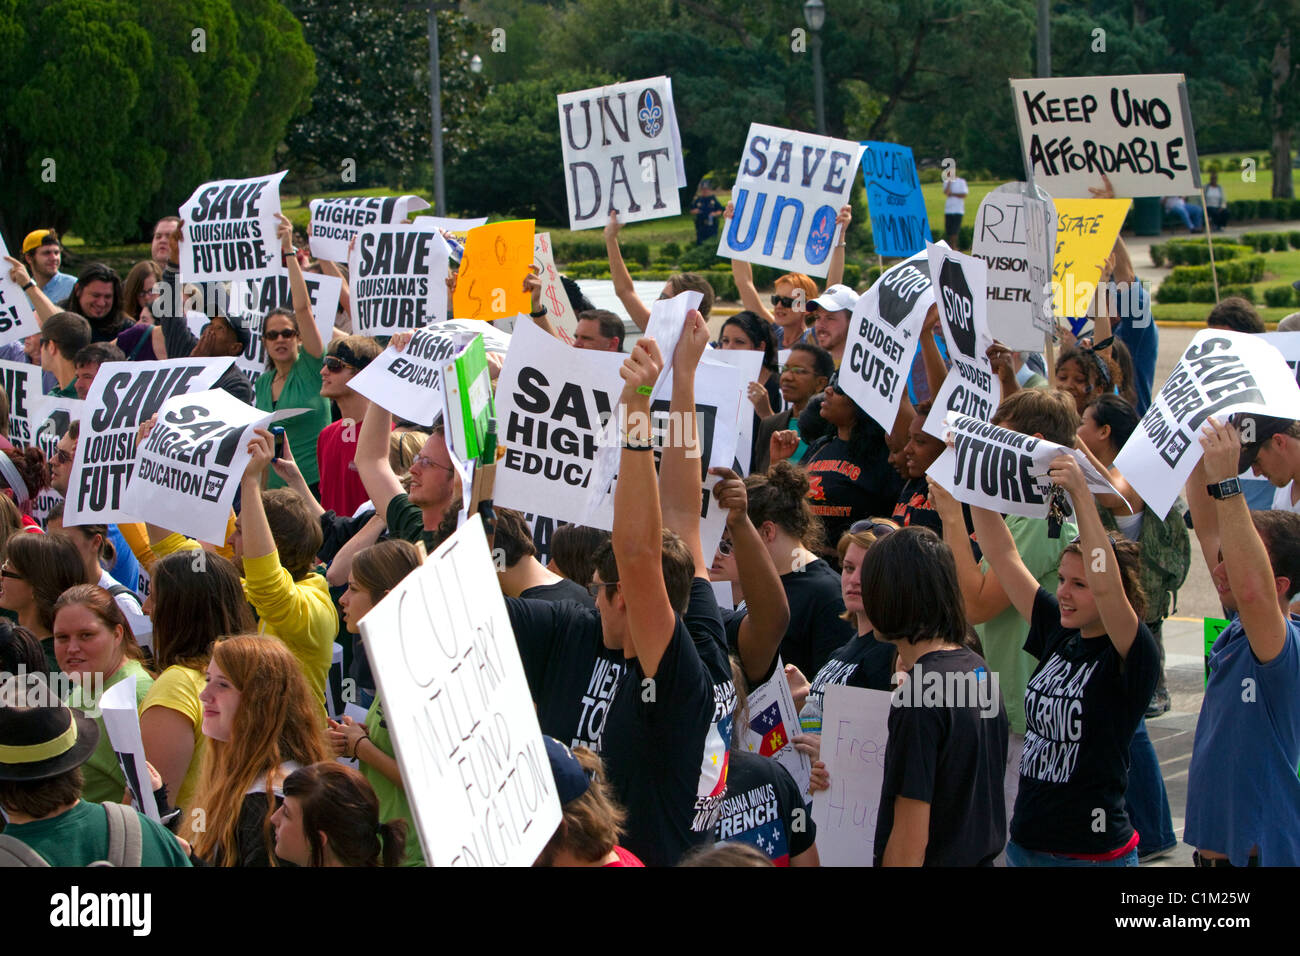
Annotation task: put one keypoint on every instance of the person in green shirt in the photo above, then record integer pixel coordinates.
(95, 647)
(42, 749)
(292, 379)
(63, 335)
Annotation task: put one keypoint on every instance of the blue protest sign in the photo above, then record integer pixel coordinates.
(899, 225)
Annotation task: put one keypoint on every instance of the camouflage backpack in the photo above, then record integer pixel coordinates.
(1166, 557)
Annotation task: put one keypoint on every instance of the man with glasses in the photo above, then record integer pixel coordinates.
(44, 255)
(341, 490)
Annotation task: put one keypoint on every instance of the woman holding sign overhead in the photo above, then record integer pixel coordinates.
(294, 355)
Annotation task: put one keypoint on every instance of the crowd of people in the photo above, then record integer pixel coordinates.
(845, 564)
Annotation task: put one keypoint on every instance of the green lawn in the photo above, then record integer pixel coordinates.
(1281, 269)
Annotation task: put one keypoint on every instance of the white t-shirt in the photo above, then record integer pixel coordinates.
(956, 203)
(1282, 499)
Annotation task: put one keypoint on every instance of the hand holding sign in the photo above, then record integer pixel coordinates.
(1064, 470)
(1222, 444)
(731, 495)
(17, 272)
(261, 452)
(640, 371)
(691, 346)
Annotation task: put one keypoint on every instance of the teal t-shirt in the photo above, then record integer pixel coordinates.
(79, 837)
(392, 798)
(1004, 636)
(301, 390)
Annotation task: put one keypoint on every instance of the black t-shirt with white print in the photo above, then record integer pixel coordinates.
(703, 620)
(1082, 705)
(653, 747)
(862, 662)
(764, 808)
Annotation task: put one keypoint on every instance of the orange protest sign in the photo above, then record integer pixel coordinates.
(492, 270)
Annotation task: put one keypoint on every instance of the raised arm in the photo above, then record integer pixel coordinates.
(533, 286)
(1013, 578)
(253, 526)
(41, 303)
(1205, 517)
(679, 462)
(761, 631)
(835, 268)
(311, 341)
(1127, 497)
(743, 272)
(1256, 591)
(623, 287)
(337, 573)
(291, 475)
(931, 359)
(982, 590)
(638, 532)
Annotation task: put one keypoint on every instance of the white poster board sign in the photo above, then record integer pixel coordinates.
(971, 386)
(117, 705)
(788, 192)
(398, 279)
(230, 230)
(22, 384)
(554, 297)
(855, 731)
(51, 416)
(251, 301)
(409, 383)
(1136, 130)
(622, 151)
(459, 711)
(1017, 248)
(17, 318)
(335, 221)
(773, 721)
(1220, 374)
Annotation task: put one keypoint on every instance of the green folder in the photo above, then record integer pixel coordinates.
(468, 386)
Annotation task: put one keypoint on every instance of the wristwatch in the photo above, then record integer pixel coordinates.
(1224, 489)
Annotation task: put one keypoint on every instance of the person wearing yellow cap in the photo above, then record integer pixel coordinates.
(44, 255)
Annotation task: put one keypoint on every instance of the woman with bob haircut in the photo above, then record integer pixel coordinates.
(262, 723)
(36, 570)
(1097, 667)
(330, 817)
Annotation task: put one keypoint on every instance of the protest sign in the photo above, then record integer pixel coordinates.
(22, 382)
(900, 226)
(398, 279)
(188, 470)
(51, 416)
(1086, 230)
(459, 710)
(884, 332)
(749, 363)
(554, 297)
(971, 387)
(250, 302)
(1002, 470)
(855, 732)
(17, 318)
(117, 706)
(335, 221)
(494, 339)
(618, 159)
(490, 282)
(230, 230)
(459, 228)
(1136, 130)
(122, 396)
(1288, 343)
(409, 383)
(773, 720)
(1018, 268)
(802, 174)
(1221, 373)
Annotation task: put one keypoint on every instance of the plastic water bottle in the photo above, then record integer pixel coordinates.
(810, 718)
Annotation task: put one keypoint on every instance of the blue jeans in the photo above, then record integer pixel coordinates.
(1148, 803)
(1019, 856)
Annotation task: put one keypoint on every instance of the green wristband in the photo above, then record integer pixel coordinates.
(644, 389)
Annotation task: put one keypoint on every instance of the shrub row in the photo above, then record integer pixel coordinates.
(1195, 252)
(1232, 272)
(1201, 292)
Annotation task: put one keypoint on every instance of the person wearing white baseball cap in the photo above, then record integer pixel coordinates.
(831, 311)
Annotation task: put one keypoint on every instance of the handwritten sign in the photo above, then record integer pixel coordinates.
(1015, 236)
(489, 284)
(788, 192)
(554, 297)
(855, 732)
(900, 226)
(1086, 230)
(335, 221)
(398, 280)
(117, 706)
(230, 230)
(971, 387)
(1136, 130)
(457, 704)
(1221, 373)
(17, 318)
(409, 383)
(622, 151)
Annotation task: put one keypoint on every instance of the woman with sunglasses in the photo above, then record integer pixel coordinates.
(807, 369)
(1097, 667)
(292, 378)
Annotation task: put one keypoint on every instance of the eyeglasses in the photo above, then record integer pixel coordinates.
(725, 548)
(8, 572)
(335, 364)
(594, 587)
(784, 300)
(424, 461)
(281, 334)
(62, 457)
(796, 369)
(878, 528)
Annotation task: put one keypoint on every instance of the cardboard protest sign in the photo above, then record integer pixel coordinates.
(1018, 268)
(554, 297)
(409, 383)
(335, 221)
(459, 711)
(17, 318)
(1221, 373)
(494, 339)
(773, 720)
(1086, 230)
(750, 366)
(51, 416)
(900, 226)
(622, 151)
(122, 396)
(1002, 470)
(1137, 130)
(971, 387)
(117, 706)
(884, 333)
(22, 383)
(398, 279)
(789, 190)
(188, 470)
(252, 301)
(230, 229)
(855, 732)
(489, 284)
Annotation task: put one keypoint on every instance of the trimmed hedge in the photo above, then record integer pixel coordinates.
(1235, 271)
(574, 249)
(1279, 297)
(1195, 252)
(1202, 292)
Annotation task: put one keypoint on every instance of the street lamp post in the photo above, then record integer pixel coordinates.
(435, 96)
(814, 13)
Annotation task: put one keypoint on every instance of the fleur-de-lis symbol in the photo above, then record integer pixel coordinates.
(651, 115)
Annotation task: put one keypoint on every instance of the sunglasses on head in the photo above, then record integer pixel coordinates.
(878, 528)
(335, 364)
(271, 336)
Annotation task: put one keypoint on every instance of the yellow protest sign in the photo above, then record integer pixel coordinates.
(490, 283)
(1086, 230)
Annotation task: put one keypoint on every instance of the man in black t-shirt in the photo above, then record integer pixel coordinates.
(518, 570)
